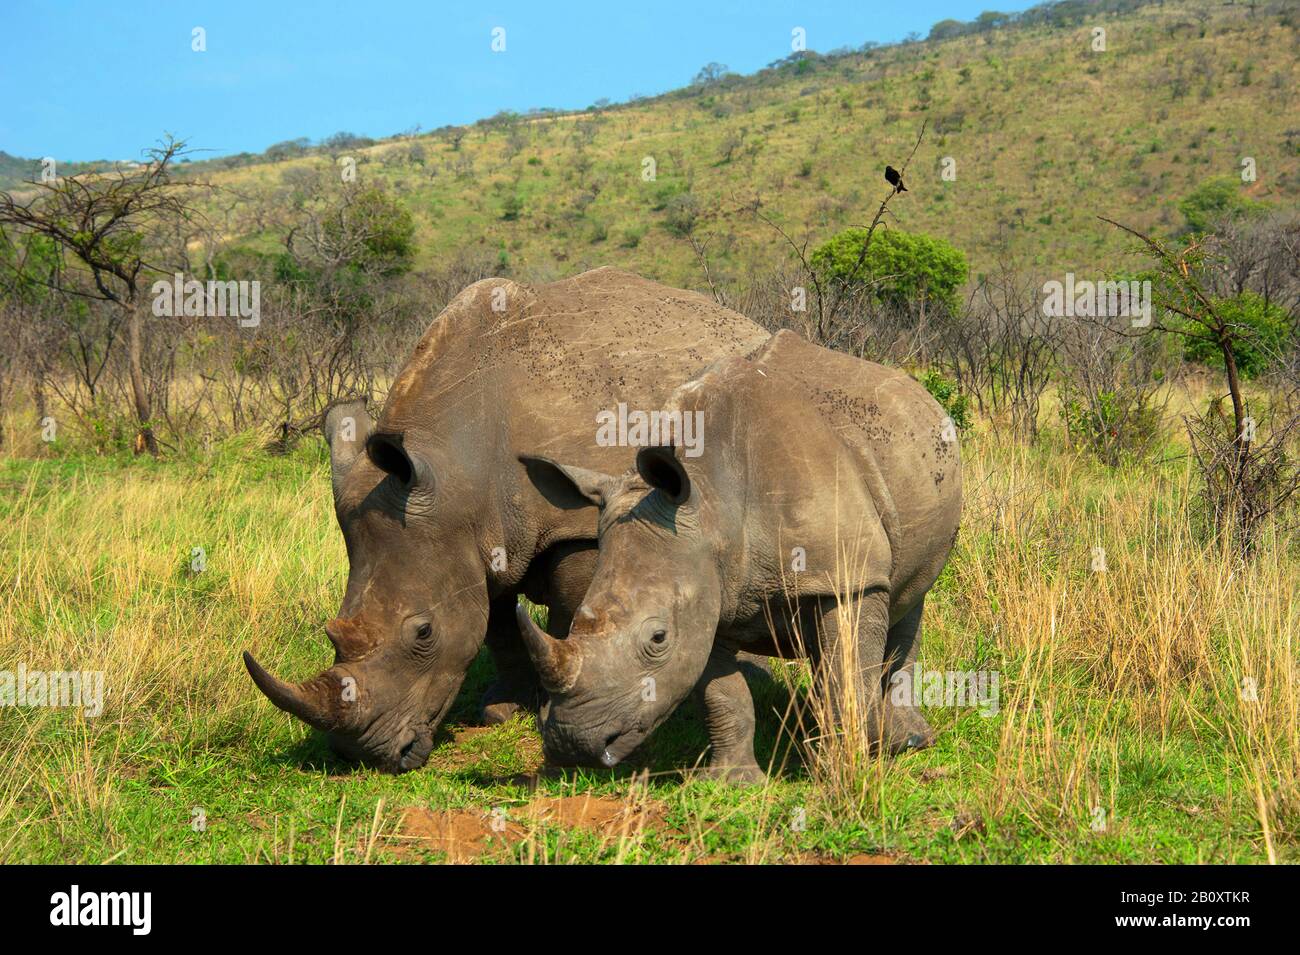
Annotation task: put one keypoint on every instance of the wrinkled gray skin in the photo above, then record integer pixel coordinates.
(852, 463)
(445, 528)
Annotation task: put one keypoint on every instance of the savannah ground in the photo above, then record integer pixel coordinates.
(1147, 712)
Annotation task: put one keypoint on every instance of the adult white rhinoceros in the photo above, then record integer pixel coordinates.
(445, 527)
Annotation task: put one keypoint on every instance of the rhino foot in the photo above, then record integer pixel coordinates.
(742, 775)
(502, 702)
(493, 714)
(915, 733)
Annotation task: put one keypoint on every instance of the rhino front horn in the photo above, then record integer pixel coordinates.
(312, 702)
(557, 661)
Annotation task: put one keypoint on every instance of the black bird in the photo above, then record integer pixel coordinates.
(895, 179)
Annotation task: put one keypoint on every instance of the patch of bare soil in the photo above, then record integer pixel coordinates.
(609, 817)
(465, 836)
(461, 835)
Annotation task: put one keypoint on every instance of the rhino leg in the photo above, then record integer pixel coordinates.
(559, 579)
(754, 667)
(848, 662)
(905, 727)
(515, 688)
(728, 709)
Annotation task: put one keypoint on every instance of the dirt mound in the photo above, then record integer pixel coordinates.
(461, 835)
(596, 814)
(467, 836)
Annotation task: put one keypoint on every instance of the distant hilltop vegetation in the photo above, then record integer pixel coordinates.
(1035, 124)
(15, 171)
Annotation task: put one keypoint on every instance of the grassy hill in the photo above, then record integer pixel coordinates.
(1045, 134)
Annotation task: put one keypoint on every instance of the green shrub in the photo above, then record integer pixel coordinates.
(664, 194)
(1215, 199)
(944, 390)
(945, 29)
(682, 211)
(1116, 427)
(1265, 328)
(388, 246)
(906, 265)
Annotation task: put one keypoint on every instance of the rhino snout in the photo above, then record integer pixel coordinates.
(404, 752)
(618, 746)
(599, 746)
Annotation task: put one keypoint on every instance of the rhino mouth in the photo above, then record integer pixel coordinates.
(415, 753)
(396, 752)
(409, 750)
(598, 751)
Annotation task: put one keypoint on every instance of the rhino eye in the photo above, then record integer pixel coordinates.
(659, 636)
(424, 632)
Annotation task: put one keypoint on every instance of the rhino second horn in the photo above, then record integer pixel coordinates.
(557, 661)
(309, 702)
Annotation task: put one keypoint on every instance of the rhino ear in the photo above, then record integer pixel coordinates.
(549, 475)
(346, 427)
(661, 468)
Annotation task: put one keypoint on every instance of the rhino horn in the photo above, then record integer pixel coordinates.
(313, 702)
(557, 661)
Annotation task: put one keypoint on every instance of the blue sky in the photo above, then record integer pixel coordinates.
(93, 80)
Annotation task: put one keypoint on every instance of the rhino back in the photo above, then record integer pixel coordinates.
(911, 462)
(840, 457)
(509, 369)
(609, 337)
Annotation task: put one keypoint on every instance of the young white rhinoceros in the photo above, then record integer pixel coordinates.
(825, 489)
